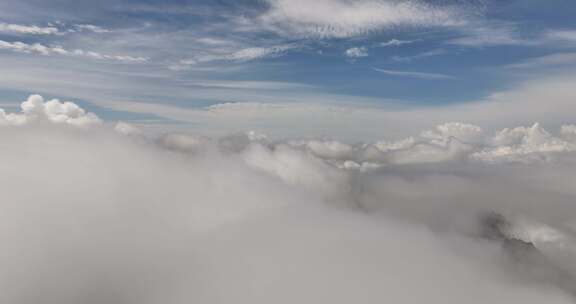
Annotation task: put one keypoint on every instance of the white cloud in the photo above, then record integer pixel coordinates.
(357, 52)
(90, 28)
(249, 54)
(526, 145)
(491, 34)
(246, 84)
(88, 215)
(353, 118)
(552, 60)
(242, 108)
(27, 29)
(445, 142)
(37, 48)
(341, 18)
(242, 55)
(568, 131)
(461, 131)
(420, 75)
(127, 129)
(431, 53)
(562, 35)
(395, 42)
(35, 109)
(449, 142)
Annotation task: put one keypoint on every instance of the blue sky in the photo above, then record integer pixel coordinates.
(251, 64)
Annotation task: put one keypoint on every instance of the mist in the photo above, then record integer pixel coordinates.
(94, 212)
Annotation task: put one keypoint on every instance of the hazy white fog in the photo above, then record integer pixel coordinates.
(96, 214)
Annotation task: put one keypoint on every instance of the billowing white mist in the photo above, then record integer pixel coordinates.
(91, 214)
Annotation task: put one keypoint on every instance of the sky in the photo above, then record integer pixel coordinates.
(284, 67)
(287, 151)
(93, 212)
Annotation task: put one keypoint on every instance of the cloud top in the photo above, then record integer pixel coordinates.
(36, 109)
(93, 214)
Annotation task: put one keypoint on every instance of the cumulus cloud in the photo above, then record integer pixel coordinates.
(36, 109)
(127, 129)
(99, 214)
(356, 52)
(449, 142)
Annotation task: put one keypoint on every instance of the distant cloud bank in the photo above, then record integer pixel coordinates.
(93, 212)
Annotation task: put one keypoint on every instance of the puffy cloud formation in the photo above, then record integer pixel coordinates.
(94, 214)
(449, 142)
(356, 52)
(35, 109)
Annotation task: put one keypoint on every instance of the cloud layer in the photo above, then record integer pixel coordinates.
(96, 214)
(41, 49)
(341, 18)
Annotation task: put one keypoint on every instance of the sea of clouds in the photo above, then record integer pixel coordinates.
(92, 213)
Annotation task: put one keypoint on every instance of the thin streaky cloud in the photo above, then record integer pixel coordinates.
(395, 43)
(552, 60)
(242, 55)
(413, 74)
(90, 28)
(40, 49)
(27, 29)
(562, 35)
(431, 53)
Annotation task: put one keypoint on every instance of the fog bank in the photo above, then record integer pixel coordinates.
(97, 214)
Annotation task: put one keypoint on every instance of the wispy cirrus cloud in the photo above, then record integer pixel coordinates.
(89, 28)
(562, 35)
(249, 85)
(395, 42)
(253, 53)
(41, 49)
(238, 56)
(490, 34)
(340, 19)
(412, 74)
(552, 60)
(27, 29)
(431, 53)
